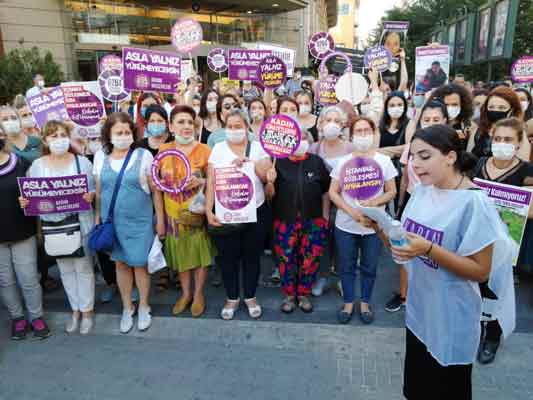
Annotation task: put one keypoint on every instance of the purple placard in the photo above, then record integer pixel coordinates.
(48, 107)
(217, 60)
(156, 166)
(522, 70)
(326, 90)
(505, 192)
(272, 72)
(321, 44)
(110, 61)
(112, 85)
(396, 26)
(150, 70)
(187, 34)
(361, 178)
(243, 64)
(83, 106)
(428, 233)
(233, 188)
(280, 135)
(54, 195)
(378, 58)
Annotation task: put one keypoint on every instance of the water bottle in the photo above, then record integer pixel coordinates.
(397, 238)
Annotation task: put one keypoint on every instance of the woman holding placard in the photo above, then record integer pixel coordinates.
(77, 273)
(19, 276)
(133, 216)
(363, 178)
(244, 244)
(188, 249)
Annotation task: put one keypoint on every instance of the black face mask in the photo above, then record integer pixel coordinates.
(2, 144)
(495, 116)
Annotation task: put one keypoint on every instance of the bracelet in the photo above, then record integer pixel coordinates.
(429, 250)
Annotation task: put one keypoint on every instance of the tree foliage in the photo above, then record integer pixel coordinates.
(18, 67)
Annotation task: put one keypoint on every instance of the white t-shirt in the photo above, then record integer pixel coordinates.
(116, 165)
(223, 156)
(343, 220)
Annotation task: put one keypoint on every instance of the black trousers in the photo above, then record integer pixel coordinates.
(44, 262)
(108, 268)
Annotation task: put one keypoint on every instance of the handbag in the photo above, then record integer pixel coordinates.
(63, 238)
(102, 236)
(228, 229)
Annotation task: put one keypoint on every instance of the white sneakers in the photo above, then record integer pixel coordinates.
(143, 323)
(86, 325)
(73, 324)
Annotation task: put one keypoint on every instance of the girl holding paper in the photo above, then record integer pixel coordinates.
(362, 178)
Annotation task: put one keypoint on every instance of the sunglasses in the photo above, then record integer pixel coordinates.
(229, 106)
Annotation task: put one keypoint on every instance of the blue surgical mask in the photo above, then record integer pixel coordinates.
(155, 129)
(143, 111)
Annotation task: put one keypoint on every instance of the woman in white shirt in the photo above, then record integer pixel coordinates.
(245, 245)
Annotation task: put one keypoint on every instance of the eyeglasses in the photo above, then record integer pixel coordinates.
(229, 106)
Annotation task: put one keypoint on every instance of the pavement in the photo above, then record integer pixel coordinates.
(278, 357)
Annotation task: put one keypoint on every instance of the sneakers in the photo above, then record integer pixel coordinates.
(395, 304)
(108, 293)
(86, 325)
(275, 277)
(19, 328)
(72, 325)
(144, 318)
(320, 286)
(40, 329)
(126, 322)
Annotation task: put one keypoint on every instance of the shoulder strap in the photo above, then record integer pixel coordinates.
(117, 186)
(248, 148)
(77, 163)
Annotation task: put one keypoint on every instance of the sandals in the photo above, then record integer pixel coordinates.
(305, 304)
(288, 305)
(228, 312)
(254, 311)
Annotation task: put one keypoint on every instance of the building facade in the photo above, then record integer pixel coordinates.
(345, 32)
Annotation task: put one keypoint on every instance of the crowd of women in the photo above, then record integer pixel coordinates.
(428, 148)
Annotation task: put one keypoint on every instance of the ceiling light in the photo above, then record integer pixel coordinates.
(249, 11)
(275, 5)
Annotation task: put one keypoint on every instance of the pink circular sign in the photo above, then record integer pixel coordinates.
(522, 70)
(272, 72)
(187, 34)
(361, 178)
(321, 44)
(156, 165)
(280, 135)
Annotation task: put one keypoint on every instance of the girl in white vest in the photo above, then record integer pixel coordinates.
(455, 238)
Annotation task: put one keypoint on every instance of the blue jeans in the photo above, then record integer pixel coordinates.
(348, 246)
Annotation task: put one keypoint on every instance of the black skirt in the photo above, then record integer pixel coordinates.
(424, 378)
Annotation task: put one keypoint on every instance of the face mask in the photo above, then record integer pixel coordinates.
(143, 111)
(94, 146)
(156, 129)
(196, 110)
(211, 106)
(11, 127)
(59, 146)
(235, 136)
(525, 105)
(293, 116)
(495, 116)
(453, 111)
(418, 101)
(27, 122)
(256, 115)
(305, 109)
(40, 84)
(503, 151)
(184, 139)
(302, 148)
(366, 109)
(122, 142)
(331, 131)
(477, 113)
(362, 143)
(395, 112)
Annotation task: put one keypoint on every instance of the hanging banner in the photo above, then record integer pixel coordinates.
(522, 70)
(150, 70)
(361, 178)
(112, 85)
(54, 195)
(280, 135)
(235, 194)
(272, 72)
(110, 61)
(326, 90)
(187, 35)
(378, 58)
(83, 101)
(432, 67)
(321, 44)
(217, 61)
(48, 107)
(242, 64)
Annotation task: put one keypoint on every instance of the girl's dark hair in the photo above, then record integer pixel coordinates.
(219, 105)
(284, 99)
(309, 95)
(467, 106)
(203, 108)
(386, 119)
(182, 109)
(432, 104)
(156, 109)
(445, 139)
(113, 119)
(528, 114)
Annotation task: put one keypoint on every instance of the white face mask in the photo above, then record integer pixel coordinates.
(94, 146)
(453, 111)
(395, 112)
(235, 135)
(11, 127)
(256, 115)
(331, 131)
(302, 148)
(503, 151)
(27, 122)
(293, 116)
(362, 143)
(196, 110)
(59, 146)
(184, 139)
(122, 142)
(40, 83)
(525, 105)
(305, 109)
(211, 106)
(366, 109)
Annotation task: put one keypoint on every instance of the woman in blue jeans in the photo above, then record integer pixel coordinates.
(363, 177)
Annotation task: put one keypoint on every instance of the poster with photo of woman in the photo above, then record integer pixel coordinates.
(483, 34)
(460, 52)
(393, 38)
(500, 28)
